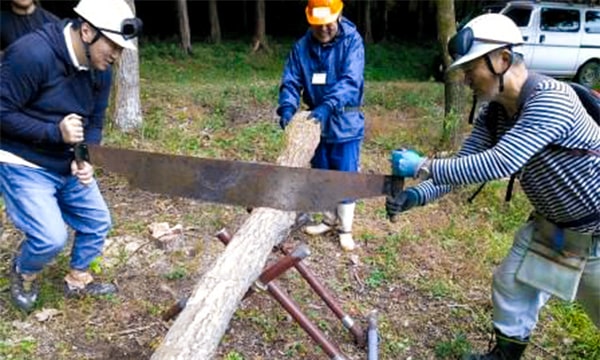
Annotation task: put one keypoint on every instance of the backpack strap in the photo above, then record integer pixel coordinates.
(533, 79)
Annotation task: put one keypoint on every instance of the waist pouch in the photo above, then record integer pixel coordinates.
(555, 259)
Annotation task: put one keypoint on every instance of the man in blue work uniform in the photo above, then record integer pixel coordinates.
(547, 137)
(54, 90)
(326, 69)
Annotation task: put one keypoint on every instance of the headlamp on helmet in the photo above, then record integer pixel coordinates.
(481, 36)
(113, 18)
(130, 28)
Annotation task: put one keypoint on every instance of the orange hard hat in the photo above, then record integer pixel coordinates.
(321, 12)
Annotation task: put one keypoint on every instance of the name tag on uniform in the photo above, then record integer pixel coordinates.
(319, 79)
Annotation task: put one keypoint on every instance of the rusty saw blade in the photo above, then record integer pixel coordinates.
(240, 183)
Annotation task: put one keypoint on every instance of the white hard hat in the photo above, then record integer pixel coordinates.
(113, 18)
(483, 35)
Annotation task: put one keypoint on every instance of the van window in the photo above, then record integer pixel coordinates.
(559, 20)
(519, 15)
(592, 21)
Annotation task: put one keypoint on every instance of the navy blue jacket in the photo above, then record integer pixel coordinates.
(343, 60)
(39, 86)
(13, 26)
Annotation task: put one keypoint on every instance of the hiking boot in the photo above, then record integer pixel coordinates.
(24, 289)
(80, 283)
(94, 289)
(506, 348)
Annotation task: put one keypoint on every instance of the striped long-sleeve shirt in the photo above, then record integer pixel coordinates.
(562, 185)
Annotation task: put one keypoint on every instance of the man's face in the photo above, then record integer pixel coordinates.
(480, 79)
(103, 52)
(325, 33)
(22, 4)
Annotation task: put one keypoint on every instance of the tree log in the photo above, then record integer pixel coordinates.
(199, 328)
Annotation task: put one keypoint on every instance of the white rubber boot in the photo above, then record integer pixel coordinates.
(346, 216)
(327, 224)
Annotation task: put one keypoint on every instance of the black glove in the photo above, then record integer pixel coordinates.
(286, 115)
(284, 121)
(401, 202)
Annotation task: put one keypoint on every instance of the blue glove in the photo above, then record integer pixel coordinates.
(405, 200)
(321, 113)
(286, 115)
(406, 163)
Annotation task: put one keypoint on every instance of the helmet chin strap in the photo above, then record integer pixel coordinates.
(488, 62)
(88, 56)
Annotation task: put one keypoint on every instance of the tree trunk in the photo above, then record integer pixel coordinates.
(454, 91)
(127, 113)
(215, 26)
(184, 26)
(367, 18)
(389, 5)
(199, 328)
(259, 41)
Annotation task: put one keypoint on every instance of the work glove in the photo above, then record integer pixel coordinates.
(286, 114)
(403, 201)
(321, 113)
(406, 163)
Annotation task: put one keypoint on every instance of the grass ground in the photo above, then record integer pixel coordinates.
(428, 275)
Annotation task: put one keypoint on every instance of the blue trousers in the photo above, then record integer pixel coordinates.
(40, 202)
(339, 156)
(343, 156)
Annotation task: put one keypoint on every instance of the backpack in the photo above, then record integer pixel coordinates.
(588, 97)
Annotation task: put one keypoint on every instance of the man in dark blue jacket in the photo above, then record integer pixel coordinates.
(326, 69)
(54, 90)
(23, 17)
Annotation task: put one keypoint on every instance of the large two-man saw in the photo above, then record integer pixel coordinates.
(237, 182)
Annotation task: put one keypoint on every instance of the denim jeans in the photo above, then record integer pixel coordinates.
(517, 305)
(40, 202)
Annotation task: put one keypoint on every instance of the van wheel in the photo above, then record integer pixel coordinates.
(589, 74)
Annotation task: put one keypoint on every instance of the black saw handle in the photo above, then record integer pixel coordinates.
(81, 154)
(397, 187)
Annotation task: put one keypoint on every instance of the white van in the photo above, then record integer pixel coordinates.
(562, 40)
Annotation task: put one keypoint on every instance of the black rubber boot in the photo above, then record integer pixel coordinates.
(23, 292)
(506, 348)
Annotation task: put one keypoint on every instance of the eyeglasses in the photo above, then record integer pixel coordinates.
(462, 41)
(130, 28)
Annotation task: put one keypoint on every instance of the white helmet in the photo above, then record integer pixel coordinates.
(113, 18)
(483, 35)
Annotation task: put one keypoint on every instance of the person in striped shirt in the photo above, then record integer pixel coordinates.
(546, 137)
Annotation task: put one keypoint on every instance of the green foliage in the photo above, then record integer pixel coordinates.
(399, 61)
(575, 328)
(176, 274)
(24, 349)
(376, 278)
(454, 348)
(232, 61)
(96, 266)
(233, 355)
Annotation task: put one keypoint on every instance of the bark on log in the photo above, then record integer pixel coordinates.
(198, 330)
